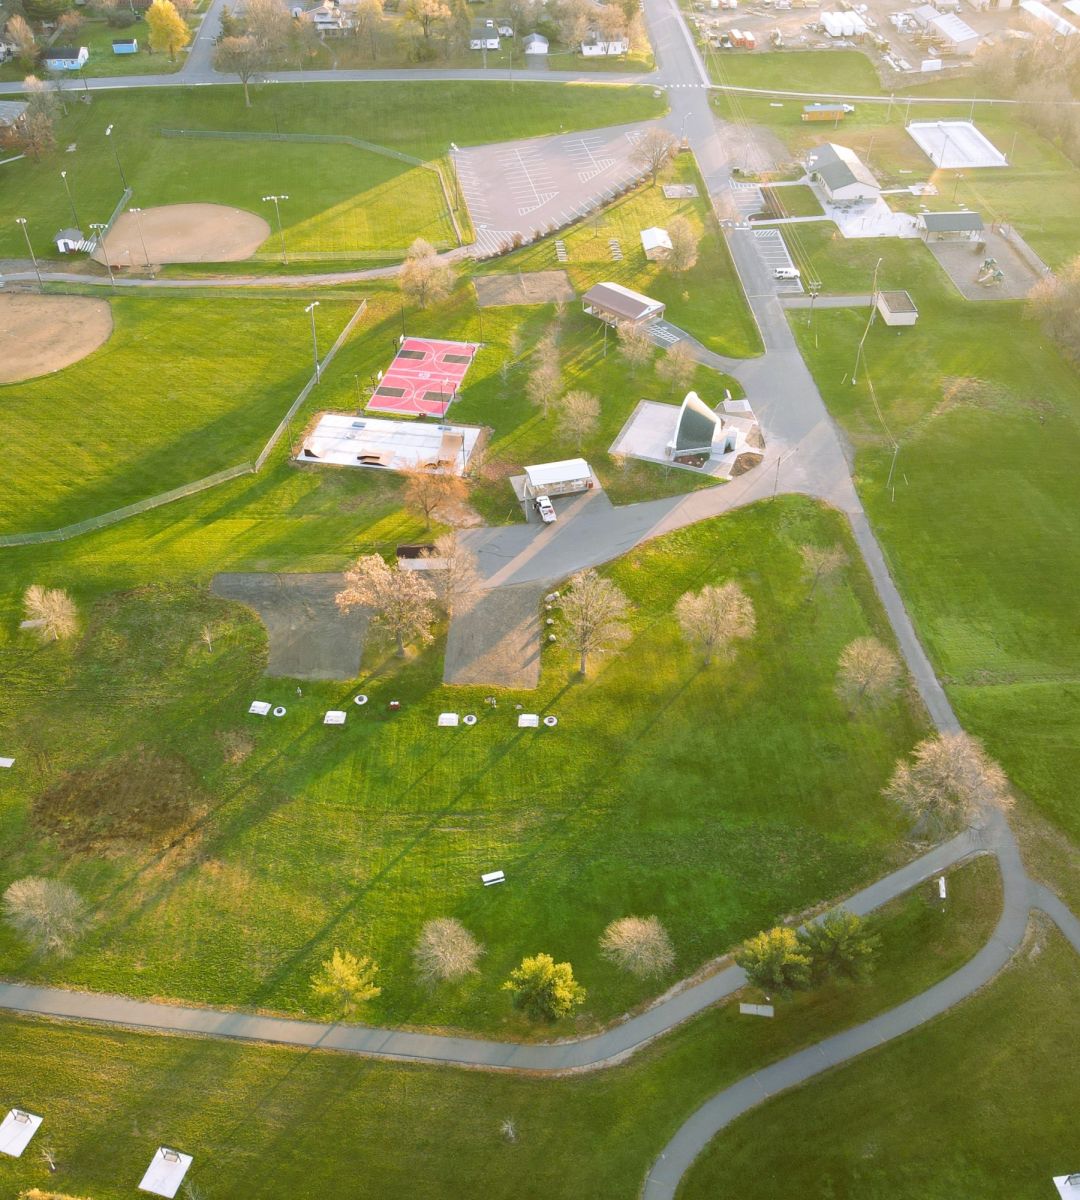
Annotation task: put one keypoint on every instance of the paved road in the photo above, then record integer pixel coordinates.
(595, 1051)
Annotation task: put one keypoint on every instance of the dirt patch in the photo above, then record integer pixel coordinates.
(42, 334)
(139, 800)
(183, 233)
(532, 287)
(745, 462)
(494, 638)
(309, 637)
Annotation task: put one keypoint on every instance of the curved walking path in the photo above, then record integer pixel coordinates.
(593, 1051)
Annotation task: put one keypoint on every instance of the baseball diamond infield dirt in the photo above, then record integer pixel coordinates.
(42, 334)
(183, 233)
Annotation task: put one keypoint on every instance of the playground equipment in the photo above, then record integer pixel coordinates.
(989, 274)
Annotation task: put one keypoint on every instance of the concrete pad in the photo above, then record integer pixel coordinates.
(494, 638)
(309, 637)
(955, 144)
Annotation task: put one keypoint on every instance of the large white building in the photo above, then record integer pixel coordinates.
(841, 173)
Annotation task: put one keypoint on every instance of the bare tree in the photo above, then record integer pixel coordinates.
(428, 491)
(715, 617)
(402, 602)
(458, 575)
(639, 945)
(240, 56)
(685, 241)
(425, 278)
(207, 636)
(950, 782)
(595, 611)
(573, 18)
(1055, 303)
(821, 563)
(270, 23)
(869, 673)
(48, 914)
(655, 150)
(69, 23)
(676, 367)
(367, 16)
(579, 414)
(508, 1128)
(21, 36)
(445, 950)
(427, 14)
(50, 612)
(635, 345)
(611, 22)
(544, 384)
(38, 136)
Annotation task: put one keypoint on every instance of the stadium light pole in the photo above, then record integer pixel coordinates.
(314, 340)
(116, 155)
(33, 257)
(281, 231)
(956, 189)
(138, 226)
(100, 229)
(71, 201)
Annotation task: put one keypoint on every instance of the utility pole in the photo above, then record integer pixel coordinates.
(67, 188)
(100, 229)
(281, 231)
(116, 155)
(138, 226)
(314, 340)
(33, 257)
(869, 322)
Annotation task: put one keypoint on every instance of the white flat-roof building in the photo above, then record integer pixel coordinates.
(347, 441)
(1046, 16)
(558, 478)
(896, 308)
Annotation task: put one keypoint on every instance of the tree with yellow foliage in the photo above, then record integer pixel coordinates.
(169, 31)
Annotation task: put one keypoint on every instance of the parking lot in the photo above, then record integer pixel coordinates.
(774, 254)
(540, 184)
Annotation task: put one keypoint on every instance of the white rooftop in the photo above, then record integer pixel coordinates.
(565, 471)
(1068, 1186)
(1048, 17)
(16, 1130)
(166, 1172)
(348, 441)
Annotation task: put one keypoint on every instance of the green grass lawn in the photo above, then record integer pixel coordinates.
(707, 300)
(338, 198)
(274, 1123)
(131, 420)
(836, 72)
(716, 799)
(797, 201)
(976, 1103)
(983, 534)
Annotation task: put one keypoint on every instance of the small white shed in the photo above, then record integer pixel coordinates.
(656, 243)
(896, 308)
(558, 478)
(536, 43)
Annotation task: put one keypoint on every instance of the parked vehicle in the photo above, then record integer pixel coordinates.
(545, 509)
(787, 273)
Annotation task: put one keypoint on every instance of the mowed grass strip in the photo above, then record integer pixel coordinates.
(717, 799)
(183, 388)
(277, 1123)
(897, 1123)
(420, 119)
(983, 532)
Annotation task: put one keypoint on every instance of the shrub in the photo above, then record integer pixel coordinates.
(639, 945)
(445, 950)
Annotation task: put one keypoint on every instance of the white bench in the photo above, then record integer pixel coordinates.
(493, 877)
(529, 721)
(334, 717)
(7, 762)
(941, 887)
(756, 1010)
(448, 720)
(16, 1131)
(259, 707)
(166, 1172)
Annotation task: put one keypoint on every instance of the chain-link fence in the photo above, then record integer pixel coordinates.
(199, 485)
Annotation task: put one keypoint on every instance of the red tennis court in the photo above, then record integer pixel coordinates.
(424, 377)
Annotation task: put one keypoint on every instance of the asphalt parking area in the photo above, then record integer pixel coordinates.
(774, 253)
(533, 186)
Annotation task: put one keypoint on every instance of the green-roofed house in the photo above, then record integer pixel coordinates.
(699, 432)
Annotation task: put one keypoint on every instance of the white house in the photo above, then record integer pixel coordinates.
(484, 35)
(504, 27)
(841, 173)
(536, 43)
(598, 47)
(66, 58)
(12, 114)
(656, 243)
(327, 17)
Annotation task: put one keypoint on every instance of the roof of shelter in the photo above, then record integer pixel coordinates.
(838, 166)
